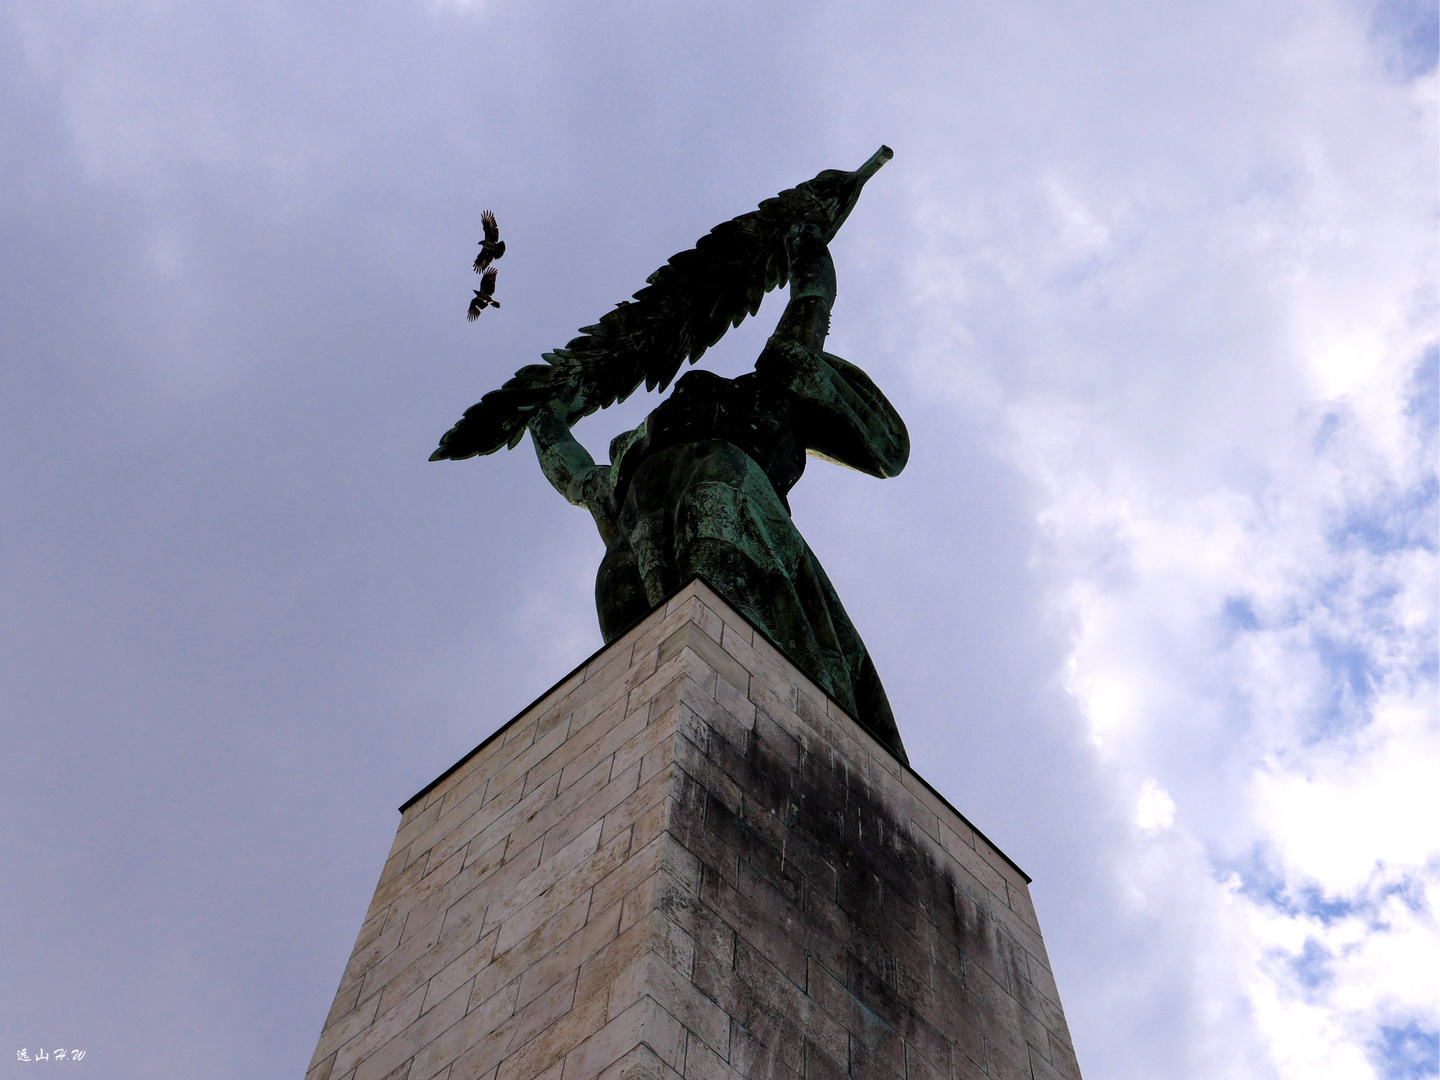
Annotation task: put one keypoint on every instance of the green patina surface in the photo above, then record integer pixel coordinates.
(700, 487)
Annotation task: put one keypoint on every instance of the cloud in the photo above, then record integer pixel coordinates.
(1154, 287)
(1214, 376)
(1155, 809)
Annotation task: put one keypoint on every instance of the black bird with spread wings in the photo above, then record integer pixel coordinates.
(685, 307)
(484, 296)
(492, 247)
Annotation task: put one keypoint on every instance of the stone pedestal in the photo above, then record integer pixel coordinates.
(684, 861)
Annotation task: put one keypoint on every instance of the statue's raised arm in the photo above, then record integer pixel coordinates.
(700, 487)
(840, 414)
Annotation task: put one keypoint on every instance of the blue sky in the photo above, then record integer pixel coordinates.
(1154, 287)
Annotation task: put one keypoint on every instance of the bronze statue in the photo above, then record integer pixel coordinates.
(699, 488)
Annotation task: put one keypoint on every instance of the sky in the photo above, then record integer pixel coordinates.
(1153, 285)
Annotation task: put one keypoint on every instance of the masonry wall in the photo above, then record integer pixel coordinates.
(684, 861)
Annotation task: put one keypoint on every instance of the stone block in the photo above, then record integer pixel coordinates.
(693, 637)
(685, 863)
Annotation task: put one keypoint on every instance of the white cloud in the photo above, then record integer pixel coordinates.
(1155, 809)
(1212, 386)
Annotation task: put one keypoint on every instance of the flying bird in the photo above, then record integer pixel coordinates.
(492, 247)
(485, 295)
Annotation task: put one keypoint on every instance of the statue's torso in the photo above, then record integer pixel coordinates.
(749, 412)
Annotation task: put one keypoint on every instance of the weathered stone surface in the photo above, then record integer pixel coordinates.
(685, 863)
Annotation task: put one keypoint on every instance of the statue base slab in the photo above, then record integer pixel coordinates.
(684, 861)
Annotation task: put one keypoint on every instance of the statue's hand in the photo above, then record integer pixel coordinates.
(562, 410)
(802, 235)
(545, 416)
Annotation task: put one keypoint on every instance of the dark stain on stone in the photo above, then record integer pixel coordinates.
(860, 952)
